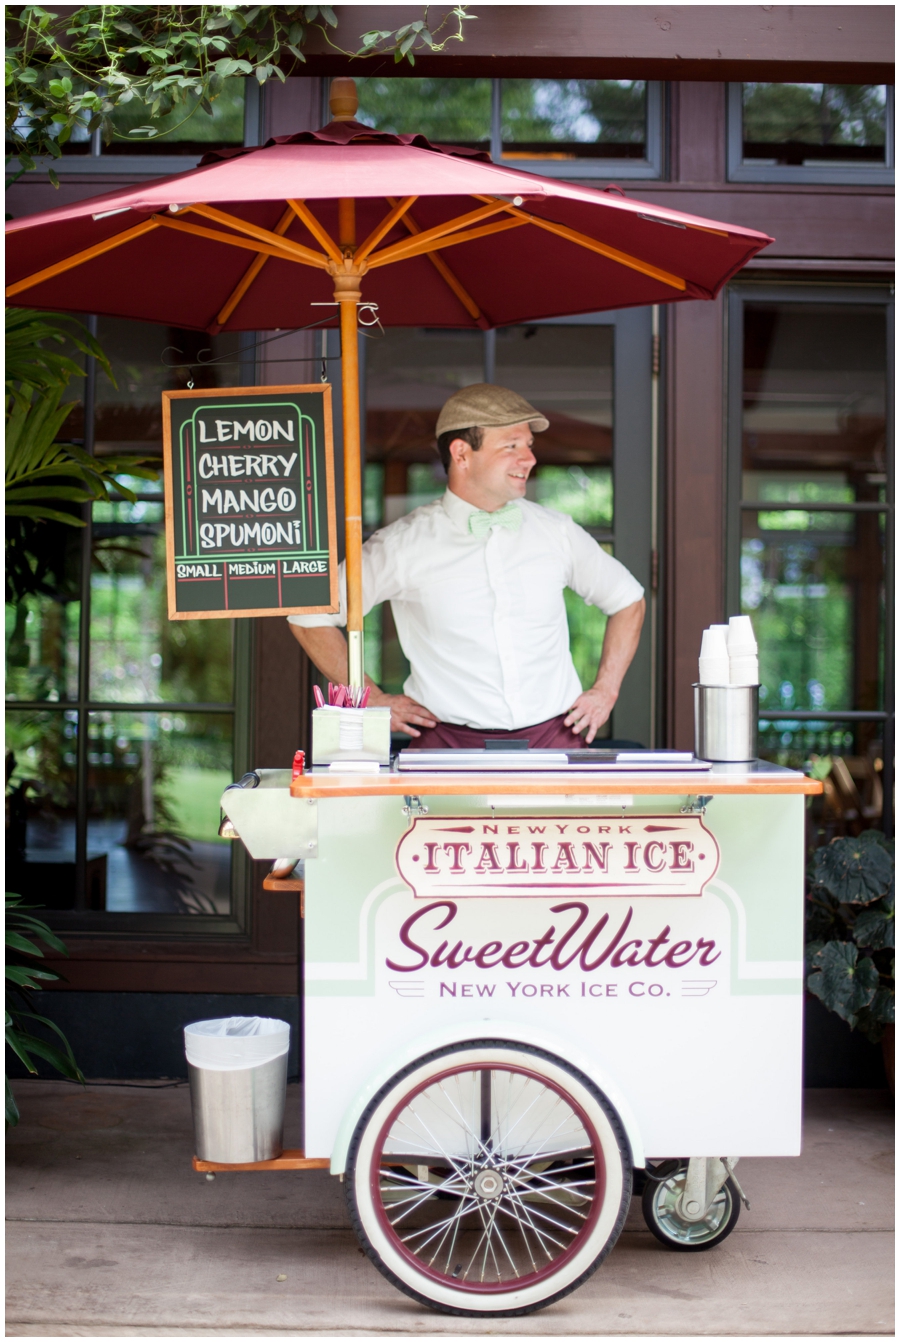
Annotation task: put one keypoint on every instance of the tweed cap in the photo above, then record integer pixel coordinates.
(487, 407)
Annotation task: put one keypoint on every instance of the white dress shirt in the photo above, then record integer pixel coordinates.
(482, 620)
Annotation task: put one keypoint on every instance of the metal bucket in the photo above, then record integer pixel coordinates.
(239, 1114)
(726, 723)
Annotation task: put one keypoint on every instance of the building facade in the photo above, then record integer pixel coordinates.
(734, 454)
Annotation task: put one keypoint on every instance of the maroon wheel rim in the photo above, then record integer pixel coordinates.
(513, 1282)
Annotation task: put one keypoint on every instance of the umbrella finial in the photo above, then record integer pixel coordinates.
(344, 99)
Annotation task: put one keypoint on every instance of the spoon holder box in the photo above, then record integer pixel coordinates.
(351, 734)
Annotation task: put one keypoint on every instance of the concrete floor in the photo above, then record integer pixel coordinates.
(111, 1233)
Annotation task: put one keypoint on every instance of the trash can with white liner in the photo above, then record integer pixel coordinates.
(237, 1069)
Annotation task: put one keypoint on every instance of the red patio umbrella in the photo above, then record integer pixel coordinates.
(325, 214)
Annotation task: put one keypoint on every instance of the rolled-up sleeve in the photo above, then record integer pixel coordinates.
(380, 582)
(596, 576)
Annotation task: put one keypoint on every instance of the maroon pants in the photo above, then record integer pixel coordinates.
(549, 735)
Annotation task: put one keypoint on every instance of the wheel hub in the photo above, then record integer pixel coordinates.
(488, 1184)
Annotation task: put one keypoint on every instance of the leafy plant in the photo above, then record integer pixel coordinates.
(850, 931)
(35, 357)
(67, 74)
(47, 481)
(22, 979)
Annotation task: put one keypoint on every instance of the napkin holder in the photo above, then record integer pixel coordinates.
(351, 734)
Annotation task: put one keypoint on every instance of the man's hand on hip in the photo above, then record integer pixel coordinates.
(590, 710)
(406, 714)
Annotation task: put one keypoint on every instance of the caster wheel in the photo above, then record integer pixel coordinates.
(488, 1178)
(660, 1201)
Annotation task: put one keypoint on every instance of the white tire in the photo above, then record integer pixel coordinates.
(488, 1178)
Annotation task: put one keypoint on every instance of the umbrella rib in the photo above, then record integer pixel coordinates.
(251, 273)
(611, 253)
(263, 234)
(399, 251)
(426, 246)
(397, 211)
(213, 235)
(59, 267)
(306, 216)
(444, 271)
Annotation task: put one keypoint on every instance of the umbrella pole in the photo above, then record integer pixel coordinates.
(352, 488)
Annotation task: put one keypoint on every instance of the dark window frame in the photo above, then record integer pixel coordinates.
(831, 293)
(239, 708)
(635, 534)
(823, 174)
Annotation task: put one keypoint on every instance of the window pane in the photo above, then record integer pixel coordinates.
(797, 589)
(154, 783)
(800, 124)
(137, 653)
(448, 111)
(42, 647)
(409, 376)
(40, 840)
(812, 746)
(188, 130)
(146, 360)
(566, 372)
(574, 118)
(814, 434)
(814, 393)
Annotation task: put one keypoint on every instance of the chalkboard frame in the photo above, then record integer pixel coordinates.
(322, 389)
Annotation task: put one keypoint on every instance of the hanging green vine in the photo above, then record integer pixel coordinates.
(69, 73)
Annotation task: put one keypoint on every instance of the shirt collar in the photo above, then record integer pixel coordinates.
(457, 510)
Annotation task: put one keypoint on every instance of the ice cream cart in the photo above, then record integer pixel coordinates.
(528, 992)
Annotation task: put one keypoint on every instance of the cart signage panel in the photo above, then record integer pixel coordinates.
(549, 856)
(250, 508)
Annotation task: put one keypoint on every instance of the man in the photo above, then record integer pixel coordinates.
(475, 581)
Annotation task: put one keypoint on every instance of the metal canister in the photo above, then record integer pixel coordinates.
(726, 723)
(239, 1115)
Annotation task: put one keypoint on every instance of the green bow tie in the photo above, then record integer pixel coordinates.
(480, 523)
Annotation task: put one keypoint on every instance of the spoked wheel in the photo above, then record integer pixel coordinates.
(488, 1178)
(661, 1203)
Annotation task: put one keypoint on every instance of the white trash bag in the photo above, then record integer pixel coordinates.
(234, 1042)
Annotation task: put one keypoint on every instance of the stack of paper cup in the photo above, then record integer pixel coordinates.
(714, 666)
(743, 654)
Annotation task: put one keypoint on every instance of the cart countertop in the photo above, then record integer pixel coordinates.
(753, 779)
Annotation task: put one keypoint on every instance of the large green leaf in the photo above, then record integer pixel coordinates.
(855, 871)
(844, 983)
(12, 1109)
(16, 1041)
(17, 942)
(39, 470)
(874, 926)
(878, 1014)
(823, 918)
(21, 925)
(64, 1063)
(17, 917)
(35, 345)
(24, 976)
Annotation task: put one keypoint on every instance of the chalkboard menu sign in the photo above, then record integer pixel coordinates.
(250, 512)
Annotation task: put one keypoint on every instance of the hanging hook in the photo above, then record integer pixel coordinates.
(370, 311)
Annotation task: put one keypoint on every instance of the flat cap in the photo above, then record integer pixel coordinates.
(488, 407)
